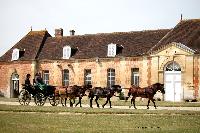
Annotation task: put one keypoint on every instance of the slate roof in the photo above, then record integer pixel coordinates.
(95, 45)
(41, 45)
(186, 32)
(30, 45)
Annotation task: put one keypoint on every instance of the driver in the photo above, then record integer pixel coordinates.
(28, 84)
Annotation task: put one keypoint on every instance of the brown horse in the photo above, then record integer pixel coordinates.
(147, 92)
(103, 93)
(71, 92)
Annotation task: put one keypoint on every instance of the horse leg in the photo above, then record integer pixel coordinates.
(71, 104)
(153, 100)
(105, 103)
(131, 102)
(96, 100)
(134, 102)
(79, 102)
(110, 103)
(91, 98)
(148, 104)
(65, 101)
(61, 100)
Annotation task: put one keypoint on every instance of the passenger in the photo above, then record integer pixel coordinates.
(39, 82)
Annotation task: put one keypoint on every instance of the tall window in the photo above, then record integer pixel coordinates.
(88, 77)
(15, 54)
(111, 77)
(135, 76)
(66, 52)
(112, 50)
(65, 77)
(46, 76)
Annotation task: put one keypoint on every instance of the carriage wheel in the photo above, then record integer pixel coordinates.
(39, 99)
(54, 101)
(24, 97)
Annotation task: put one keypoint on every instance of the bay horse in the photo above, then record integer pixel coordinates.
(71, 92)
(146, 92)
(99, 92)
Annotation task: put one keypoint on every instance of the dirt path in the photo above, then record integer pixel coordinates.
(117, 107)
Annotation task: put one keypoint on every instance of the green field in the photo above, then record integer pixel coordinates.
(62, 119)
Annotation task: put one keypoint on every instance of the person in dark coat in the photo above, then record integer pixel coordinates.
(28, 84)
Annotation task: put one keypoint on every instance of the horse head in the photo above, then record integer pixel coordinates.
(159, 86)
(116, 88)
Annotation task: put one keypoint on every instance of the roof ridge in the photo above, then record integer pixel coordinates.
(113, 33)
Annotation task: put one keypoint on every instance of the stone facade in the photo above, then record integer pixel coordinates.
(151, 60)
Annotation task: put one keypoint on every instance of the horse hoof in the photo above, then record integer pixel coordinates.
(110, 107)
(129, 106)
(147, 107)
(102, 106)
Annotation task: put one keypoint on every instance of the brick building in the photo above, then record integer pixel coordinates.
(169, 56)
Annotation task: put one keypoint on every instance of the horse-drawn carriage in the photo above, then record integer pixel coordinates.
(40, 96)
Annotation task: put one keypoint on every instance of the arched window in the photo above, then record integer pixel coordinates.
(66, 52)
(110, 77)
(65, 77)
(173, 66)
(15, 54)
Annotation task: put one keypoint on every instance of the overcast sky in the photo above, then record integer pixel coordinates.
(89, 16)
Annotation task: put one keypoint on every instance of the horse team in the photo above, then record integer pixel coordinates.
(73, 92)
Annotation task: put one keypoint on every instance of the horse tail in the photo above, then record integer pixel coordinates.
(129, 92)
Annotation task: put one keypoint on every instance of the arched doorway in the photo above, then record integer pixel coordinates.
(172, 81)
(14, 85)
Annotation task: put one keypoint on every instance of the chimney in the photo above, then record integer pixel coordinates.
(181, 17)
(59, 32)
(72, 32)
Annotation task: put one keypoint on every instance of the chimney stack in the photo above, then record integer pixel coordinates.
(72, 32)
(59, 32)
(181, 17)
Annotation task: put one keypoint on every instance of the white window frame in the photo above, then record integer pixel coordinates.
(46, 76)
(65, 77)
(15, 54)
(88, 77)
(110, 77)
(135, 80)
(67, 52)
(112, 50)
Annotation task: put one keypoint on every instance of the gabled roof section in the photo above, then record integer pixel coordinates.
(186, 32)
(173, 49)
(95, 45)
(30, 45)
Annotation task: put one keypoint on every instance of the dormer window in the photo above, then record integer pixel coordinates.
(67, 52)
(15, 54)
(112, 50)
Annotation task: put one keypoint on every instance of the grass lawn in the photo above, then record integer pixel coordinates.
(62, 119)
